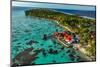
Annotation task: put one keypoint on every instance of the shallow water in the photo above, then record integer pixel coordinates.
(25, 29)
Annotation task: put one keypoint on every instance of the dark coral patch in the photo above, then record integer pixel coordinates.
(31, 42)
(51, 51)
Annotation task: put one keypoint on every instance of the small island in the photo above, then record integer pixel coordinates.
(83, 28)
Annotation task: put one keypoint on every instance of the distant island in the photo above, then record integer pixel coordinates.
(85, 28)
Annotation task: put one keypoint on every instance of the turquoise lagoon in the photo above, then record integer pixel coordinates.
(25, 29)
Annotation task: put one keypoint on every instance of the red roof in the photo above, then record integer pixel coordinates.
(68, 37)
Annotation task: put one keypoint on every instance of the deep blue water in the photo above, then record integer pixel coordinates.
(91, 14)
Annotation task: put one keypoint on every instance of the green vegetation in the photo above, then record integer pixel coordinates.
(83, 27)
